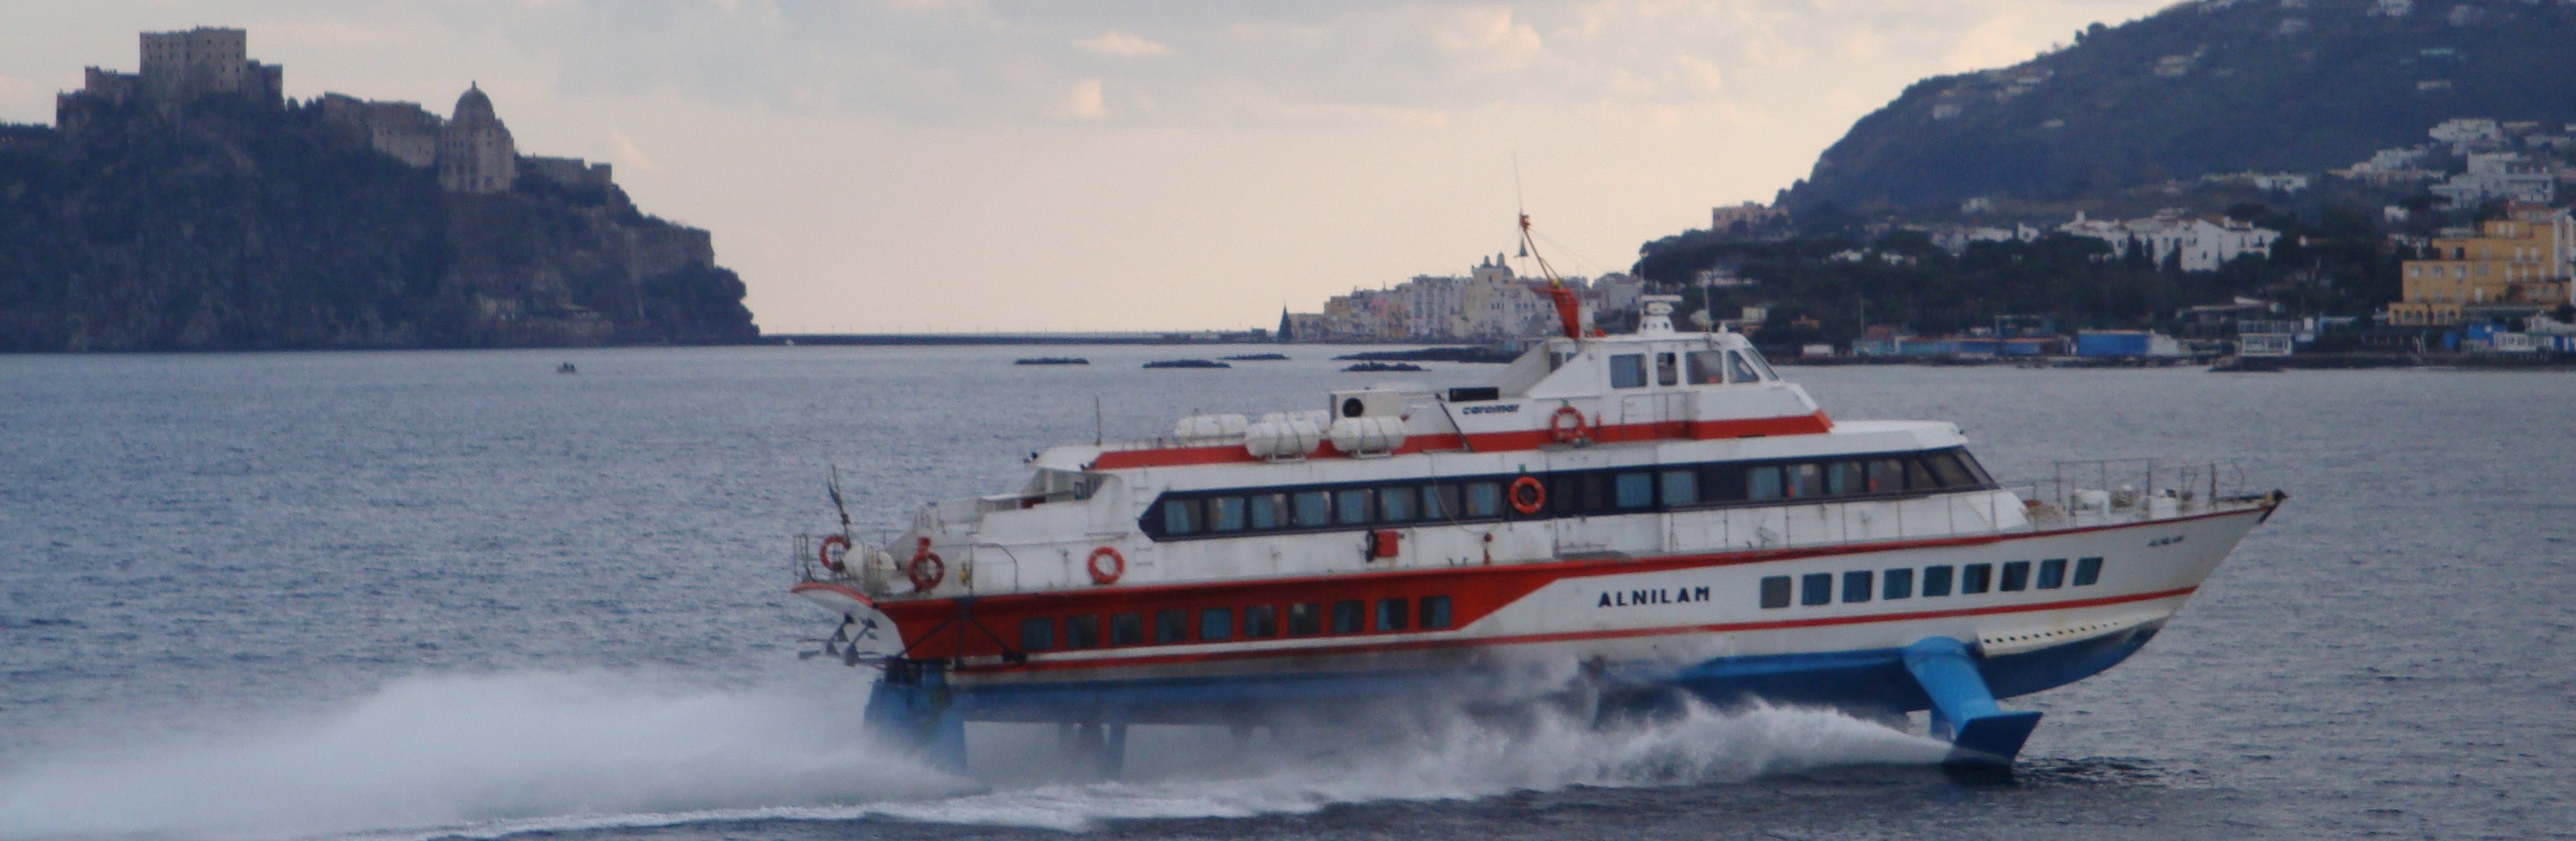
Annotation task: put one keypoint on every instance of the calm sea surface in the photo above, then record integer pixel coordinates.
(424, 595)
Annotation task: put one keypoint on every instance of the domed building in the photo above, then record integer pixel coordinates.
(475, 154)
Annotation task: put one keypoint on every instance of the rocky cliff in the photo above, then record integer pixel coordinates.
(224, 226)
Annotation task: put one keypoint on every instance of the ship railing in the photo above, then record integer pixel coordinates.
(867, 565)
(2134, 488)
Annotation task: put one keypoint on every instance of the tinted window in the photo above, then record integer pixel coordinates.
(1349, 617)
(1225, 513)
(1886, 475)
(1310, 509)
(1936, 581)
(1899, 584)
(1126, 628)
(1816, 588)
(2087, 571)
(1628, 370)
(1268, 511)
(1762, 483)
(1739, 370)
(1565, 493)
(1707, 367)
(1435, 612)
(1396, 505)
(1681, 487)
(1634, 490)
(1724, 483)
(1351, 507)
(1440, 502)
(1171, 626)
(1918, 477)
(1856, 585)
(1668, 369)
(1082, 632)
(1259, 621)
(1037, 634)
(1844, 477)
(1946, 468)
(1775, 591)
(1216, 623)
(1305, 620)
(1180, 516)
(1393, 614)
(1976, 472)
(1974, 578)
(1805, 481)
(2052, 573)
(1484, 500)
(2016, 576)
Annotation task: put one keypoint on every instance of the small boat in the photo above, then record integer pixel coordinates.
(1187, 363)
(566, 368)
(1052, 360)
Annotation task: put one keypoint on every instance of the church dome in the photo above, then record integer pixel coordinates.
(474, 108)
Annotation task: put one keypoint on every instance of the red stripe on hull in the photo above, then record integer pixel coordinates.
(1489, 442)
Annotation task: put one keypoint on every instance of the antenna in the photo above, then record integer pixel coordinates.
(1096, 435)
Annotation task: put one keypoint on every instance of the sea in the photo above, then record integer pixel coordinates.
(432, 595)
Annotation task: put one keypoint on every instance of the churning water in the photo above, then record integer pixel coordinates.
(429, 595)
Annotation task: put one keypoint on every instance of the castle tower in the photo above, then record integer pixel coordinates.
(475, 154)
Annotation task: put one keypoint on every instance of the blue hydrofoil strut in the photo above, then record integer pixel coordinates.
(1981, 734)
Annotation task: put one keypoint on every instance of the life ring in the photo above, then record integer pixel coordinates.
(926, 569)
(1110, 572)
(1566, 426)
(1527, 495)
(832, 561)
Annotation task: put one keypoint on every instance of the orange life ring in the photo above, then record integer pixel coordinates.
(1106, 574)
(926, 569)
(1566, 426)
(1527, 495)
(831, 561)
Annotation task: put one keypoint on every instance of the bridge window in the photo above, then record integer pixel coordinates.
(1680, 487)
(2087, 571)
(1312, 509)
(1171, 626)
(1634, 490)
(1738, 370)
(1975, 578)
(1350, 616)
(1762, 483)
(1668, 370)
(2052, 573)
(1856, 585)
(1267, 511)
(1628, 370)
(1037, 634)
(1392, 614)
(1936, 581)
(1775, 591)
(1216, 624)
(1260, 621)
(1435, 612)
(1305, 620)
(1180, 516)
(2016, 576)
(1896, 584)
(1082, 632)
(1843, 478)
(1816, 588)
(1707, 367)
(1351, 507)
(1885, 475)
(1805, 481)
(1440, 502)
(1225, 513)
(1396, 504)
(1484, 500)
(1126, 629)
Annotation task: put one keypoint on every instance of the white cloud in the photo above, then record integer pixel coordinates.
(623, 150)
(1086, 101)
(1121, 45)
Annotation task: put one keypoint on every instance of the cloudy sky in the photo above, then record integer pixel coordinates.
(936, 165)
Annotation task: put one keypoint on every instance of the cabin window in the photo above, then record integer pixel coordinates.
(1805, 481)
(1738, 370)
(1350, 616)
(1435, 612)
(1037, 634)
(1707, 367)
(1484, 500)
(2016, 576)
(1885, 475)
(1180, 516)
(1225, 513)
(1351, 507)
(1975, 471)
(1936, 581)
(1816, 588)
(1843, 478)
(2052, 573)
(1856, 585)
(1171, 626)
(1761, 483)
(1945, 467)
(1975, 578)
(1082, 632)
(1312, 509)
(1216, 624)
(1305, 620)
(1126, 629)
(1396, 505)
(1918, 477)
(1668, 369)
(1267, 511)
(1393, 614)
(1440, 502)
(1896, 584)
(1775, 591)
(1564, 494)
(2087, 571)
(1680, 487)
(1628, 370)
(1634, 490)
(1260, 621)
(1722, 483)
(1760, 366)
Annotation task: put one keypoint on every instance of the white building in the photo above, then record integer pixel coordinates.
(2204, 243)
(2500, 175)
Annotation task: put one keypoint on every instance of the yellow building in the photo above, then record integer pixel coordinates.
(2522, 263)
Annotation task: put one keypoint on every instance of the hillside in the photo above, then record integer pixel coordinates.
(2205, 87)
(223, 225)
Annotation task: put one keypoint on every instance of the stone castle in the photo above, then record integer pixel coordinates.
(471, 148)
